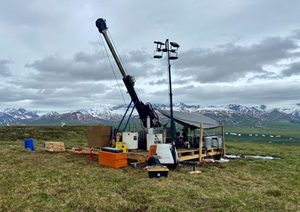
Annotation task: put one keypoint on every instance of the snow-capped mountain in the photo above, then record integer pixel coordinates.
(251, 110)
(106, 113)
(98, 113)
(11, 114)
(294, 111)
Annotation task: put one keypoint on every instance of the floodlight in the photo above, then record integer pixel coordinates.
(158, 42)
(174, 44)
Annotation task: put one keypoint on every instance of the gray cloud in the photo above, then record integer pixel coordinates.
(268, 93)
(174, 82)
(229, 63)
(91, 67)
(293, 70)
(4, 68)
(84, 57)
(55, 68)
(140, 64)
(159, 82)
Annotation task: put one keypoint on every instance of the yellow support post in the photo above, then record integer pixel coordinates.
(200, 141)
(194, 141)
(223, 140)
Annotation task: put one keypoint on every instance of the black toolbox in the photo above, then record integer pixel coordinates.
(111, 149)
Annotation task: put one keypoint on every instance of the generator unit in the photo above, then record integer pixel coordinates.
(131, 139)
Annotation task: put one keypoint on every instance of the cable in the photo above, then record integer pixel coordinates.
(206, 132)
(117, 53)
(106, 66)
(216, 154)
(124, 70)
(113, 72)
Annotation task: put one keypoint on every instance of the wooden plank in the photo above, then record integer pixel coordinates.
(137, 150)
(210, 149)
(196, 152)
(214, 153)
(183, 152)
(52, 142)
(96, 152)
(88, 150)
(194, 172)
(200, 141)
(189, 157)
(186, 150)
(55, 150)
(195, 156)
(139, 156)
(223, 140)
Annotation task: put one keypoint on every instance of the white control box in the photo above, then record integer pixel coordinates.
(154, 139)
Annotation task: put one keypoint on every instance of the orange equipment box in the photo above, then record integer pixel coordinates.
(111, 159)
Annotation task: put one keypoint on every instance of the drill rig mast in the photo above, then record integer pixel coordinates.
(144, 110)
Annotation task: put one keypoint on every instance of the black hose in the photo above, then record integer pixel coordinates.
(219, 150)
(205, 151)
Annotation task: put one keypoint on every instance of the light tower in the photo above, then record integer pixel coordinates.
(172, 55)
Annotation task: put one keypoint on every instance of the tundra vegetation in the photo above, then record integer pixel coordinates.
(48, 181)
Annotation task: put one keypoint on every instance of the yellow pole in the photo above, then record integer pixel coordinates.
(223, 140)
(200, 141)
(194, 141)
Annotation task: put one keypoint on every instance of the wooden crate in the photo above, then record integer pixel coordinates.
(55, 146)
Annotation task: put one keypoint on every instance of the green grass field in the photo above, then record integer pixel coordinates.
(44, 181)
(287, 135)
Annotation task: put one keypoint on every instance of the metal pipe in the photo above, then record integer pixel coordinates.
(173, 127)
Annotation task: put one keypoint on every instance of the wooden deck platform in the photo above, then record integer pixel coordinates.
(183, 154)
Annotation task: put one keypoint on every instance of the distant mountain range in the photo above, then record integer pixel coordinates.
(232, 114)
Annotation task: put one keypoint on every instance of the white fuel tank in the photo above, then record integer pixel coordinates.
(131, 138)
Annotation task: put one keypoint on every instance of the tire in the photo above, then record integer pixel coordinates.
(172, 166)
(153, 161)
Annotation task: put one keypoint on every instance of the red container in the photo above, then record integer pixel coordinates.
(111, 159)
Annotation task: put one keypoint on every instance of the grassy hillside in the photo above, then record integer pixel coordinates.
(45, 133)
(44, 181)
(284, 136)
(290, 135)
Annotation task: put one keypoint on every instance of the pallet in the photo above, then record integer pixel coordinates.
(55, 150)
(55, 146)
(187, 154)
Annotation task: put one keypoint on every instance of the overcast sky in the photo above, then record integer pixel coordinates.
(53, 57)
